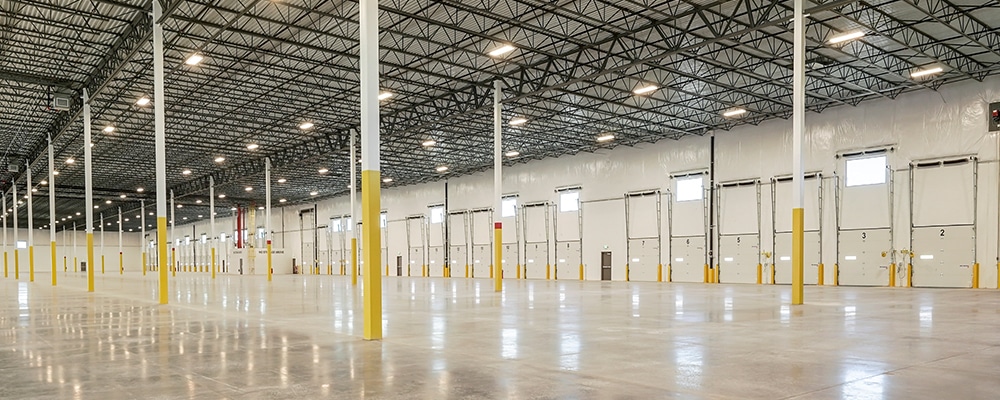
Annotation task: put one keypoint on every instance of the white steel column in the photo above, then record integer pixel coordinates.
(17, 259)
(798, 129)
(88, 197)
(52, 209)
(211, 217)
(159, 124)
(101, 224)
(371, 180)
(5, 233)
(31, 224)
(267, 214)
(173, 239)
(497, 187)
(353, 226)
(142, 234)
(121, 230)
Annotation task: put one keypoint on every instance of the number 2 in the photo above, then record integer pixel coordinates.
(942, 233)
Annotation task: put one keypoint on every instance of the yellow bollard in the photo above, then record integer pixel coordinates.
(354, 261)
(581, 271)
(659, 272)
(173, 261)
(909, 275)
(213, 263)
(102, 264)
(892, 275)
(706, 278)
(715, 274)
(5, 264)
(975, 276)
(547, 272)
(53, 249)
(491, 271)
(820, 277)
(774, 273)
(466, 270)
(836, 274)
(65, 269)
(270, 268)
(760, 274)
(17, 265)
(76, 265)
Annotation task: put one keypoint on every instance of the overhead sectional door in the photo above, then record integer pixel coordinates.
(943, 204)
(643, 216)
(781, 209)
(568, 237)
(458, 243)
(688, 217)
(739, 231)
(537, 226)
(482, 238)
(864, 231)
(396, 235)
(415, 243)
(435, 245)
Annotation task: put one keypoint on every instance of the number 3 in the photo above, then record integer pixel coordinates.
(864, 235)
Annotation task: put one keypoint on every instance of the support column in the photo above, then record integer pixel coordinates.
(173, 239)
(497, 187)
(142, 234)
(370, 174)
(211, 217)
(52, 209)
(267, 214)
(121, 231)
(354, 218)
(31, 224)
(17, 259)
(102, 242)
(5, 233)
(798, 129)
(88, 198)
(160, 143)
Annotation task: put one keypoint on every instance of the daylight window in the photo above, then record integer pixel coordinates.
(569, 201)
(690, 189)
(437, 214)
(508, 207)
(866, 171)
(383, 219)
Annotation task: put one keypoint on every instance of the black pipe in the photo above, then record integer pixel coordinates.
(711, 205)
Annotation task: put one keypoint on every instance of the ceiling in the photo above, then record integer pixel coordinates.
(270, 65)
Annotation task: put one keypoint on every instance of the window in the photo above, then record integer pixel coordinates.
(204, 238)
(508, 206)
(866, 171)
(187, 240)
(261, 233)
(22, 244)
(569, 201)
(437, 214)
(222, 237)
(690, 188)
(383, 219)
(347, 224)
(336, 225)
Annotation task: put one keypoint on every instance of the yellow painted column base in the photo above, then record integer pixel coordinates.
(659, 272)
(76, 264)
(121, 263)
(31, 263)
(820, 274)
(53, 249)
(836, 274)
(90, 262)
(715, 274)
(706, 277)
(270, 265)
(670, 273)
(547, 272)
(798, 255)
(5, 265)
(466, 270)
(143, 264)
(17, 264)
(760, 274)
(581, 272)
(892, 275)
(213, 263)
(975, 276)
(498, 256)
(491, 271)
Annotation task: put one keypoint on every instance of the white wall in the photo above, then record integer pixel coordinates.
(131, 250)
(921, 125)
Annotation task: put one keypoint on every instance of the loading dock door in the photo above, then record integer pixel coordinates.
(943, 204)
(781, 209)
(642, 229)
(568, 236)
(739, 231)
(458, 244)
(536, 225)
(482, 238)
(415, 243)
(864, 231)
(688, 217)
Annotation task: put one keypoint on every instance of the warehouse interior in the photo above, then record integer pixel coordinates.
(575, 199)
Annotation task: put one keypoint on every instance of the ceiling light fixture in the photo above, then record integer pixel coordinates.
(442, 168)
(386, 180)
(429, 143)
(70, 160)
(197, 201)
(222, 196)
(220, 159)
(186, 172)
(846, 37)
(122, 196)
(282, 180)
(180, 206)
(313, 193)
(926, 72)
(518, 121)
(253, 146)
(734, 112)
(248, 188)
(140, 190)
(282, 200)
(512, 153)
(194, 59)
(142, 102)
(323, 170)
(306, 125)
(109, 129)
(43, 182)
(605, 137)
(499, 51)
(384, 95)
(645, 89)
(107, 201)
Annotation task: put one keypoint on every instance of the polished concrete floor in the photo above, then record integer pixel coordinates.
(299, 337)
